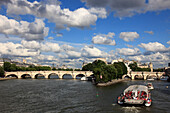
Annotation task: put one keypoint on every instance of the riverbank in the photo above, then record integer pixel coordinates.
(2, 79)
(110, 83)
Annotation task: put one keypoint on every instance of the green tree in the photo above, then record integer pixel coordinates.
(159, 70)
(119, 70)
(123, 66)
(88, 67)
(23, 68)
(7, 66)
(101, 71)
(77, 69)
(13, 67)
(98, 63)
(54, 69)
(133, 66)
(110, 71)
(2, 72)
(97, 73)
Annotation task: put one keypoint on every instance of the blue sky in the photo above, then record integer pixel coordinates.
(71, 32)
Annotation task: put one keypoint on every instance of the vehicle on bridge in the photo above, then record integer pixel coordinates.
(135, 95)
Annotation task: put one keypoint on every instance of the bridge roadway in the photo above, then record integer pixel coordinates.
(144, 75)
(47, 74)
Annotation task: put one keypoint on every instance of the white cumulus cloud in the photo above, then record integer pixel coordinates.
(12, 49)
(73, 54)
(100, 12)
(128, 36)
(43, 47)
(63, 18)
(158, 59)
(154, 47)
(168, 42)
(91, 52)
(29, 31)
(104, 39)
(128, 51)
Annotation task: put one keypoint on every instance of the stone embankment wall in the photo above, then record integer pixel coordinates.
(110, 83)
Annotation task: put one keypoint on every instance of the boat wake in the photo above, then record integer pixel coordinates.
(131, 109)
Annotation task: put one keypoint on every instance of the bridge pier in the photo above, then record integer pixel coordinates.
(145, 76)
(132, 77)
(46, 76)
(33, 77)
(60, 76)
(19, 77)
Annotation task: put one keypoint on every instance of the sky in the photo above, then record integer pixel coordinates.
(70, 32)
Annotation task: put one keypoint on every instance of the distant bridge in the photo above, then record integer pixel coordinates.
(143, 75)
(47, 74)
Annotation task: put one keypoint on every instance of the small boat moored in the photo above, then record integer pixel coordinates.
(135, 95)
(150, 86)
(84, 78)
(150, 79)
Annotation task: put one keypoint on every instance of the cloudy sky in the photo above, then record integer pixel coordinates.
(71, 32)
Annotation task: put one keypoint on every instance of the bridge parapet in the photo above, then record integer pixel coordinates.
(47, 73)
(144, 74)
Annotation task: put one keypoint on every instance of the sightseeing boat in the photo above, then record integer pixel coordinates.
(150, 79)
(135, 95)
(84, 78)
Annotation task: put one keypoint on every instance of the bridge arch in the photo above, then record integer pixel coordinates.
(151, 76)
(78, 76)
(39, 75)
(53, 76)
(26, 76)
(139, 77)
(12, 75)
(127, 77)
(67, 76)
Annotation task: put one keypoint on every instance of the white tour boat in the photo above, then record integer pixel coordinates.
(135, 95)
(84, 78)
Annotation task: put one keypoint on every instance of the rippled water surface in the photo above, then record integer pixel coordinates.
(75, 96)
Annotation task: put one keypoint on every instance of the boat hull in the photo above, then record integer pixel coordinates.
(133, 101)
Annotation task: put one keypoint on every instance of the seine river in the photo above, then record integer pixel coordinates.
(74, 96)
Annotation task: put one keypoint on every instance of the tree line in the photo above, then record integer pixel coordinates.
(134, 67)
(103, 72)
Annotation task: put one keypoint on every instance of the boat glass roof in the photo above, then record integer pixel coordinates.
(136, 88)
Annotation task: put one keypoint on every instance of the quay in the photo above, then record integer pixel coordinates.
(115, 81)
(8, 78)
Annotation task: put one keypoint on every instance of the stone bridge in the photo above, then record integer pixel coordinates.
(143, 75)
(47, 74)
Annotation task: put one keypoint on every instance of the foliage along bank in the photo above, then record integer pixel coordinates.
(135, 67)
(103, 72)
(7, 66)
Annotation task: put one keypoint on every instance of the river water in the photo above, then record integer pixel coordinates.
(75, 96)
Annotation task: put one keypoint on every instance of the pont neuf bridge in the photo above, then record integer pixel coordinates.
(74, 74)
(47, 74)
